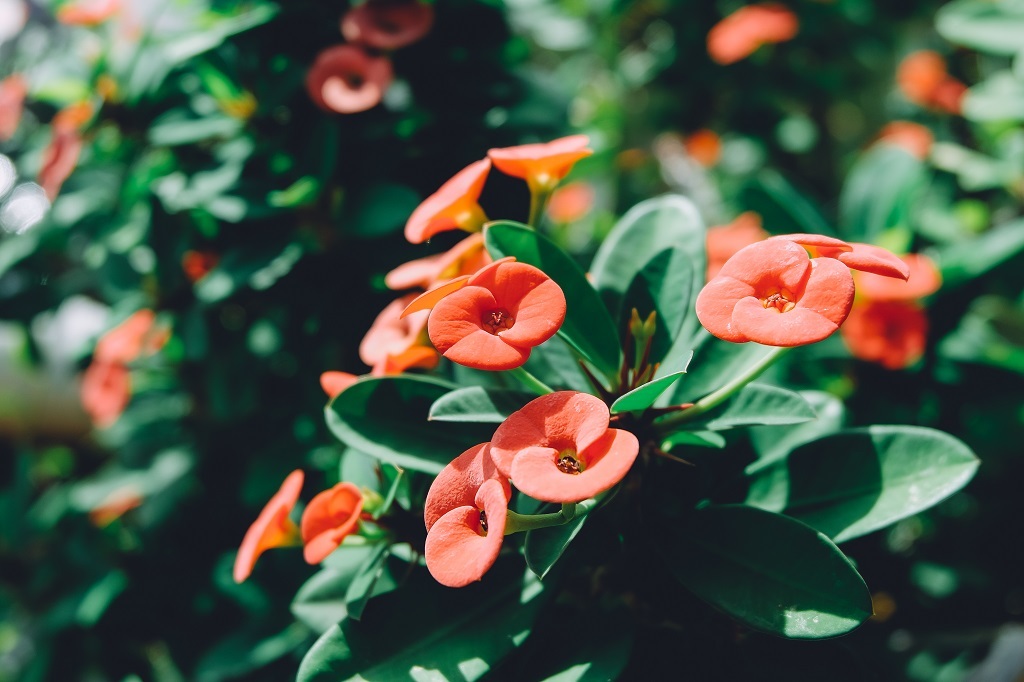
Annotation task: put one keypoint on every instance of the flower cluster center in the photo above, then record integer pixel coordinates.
(779, 301)
(568, 463)
(483, 521)
(495, 321)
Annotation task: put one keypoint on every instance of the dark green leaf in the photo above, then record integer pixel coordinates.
(714, 363)
(773, 443)
(321, 602)
(386, 417)
(702, 439)
(860, 480)
(370, 580)
(543, 547)
(756, 404)
(779, 203)
(380, 209)
(991, 333)
(477, 404)
(664, 287)
(642, 397)
(588, 328)
(556, 361)
(770, 572)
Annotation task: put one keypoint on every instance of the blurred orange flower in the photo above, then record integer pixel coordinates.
(723, 241)
(329, 518)
(923, 79)
(105, 392)
(704, 146)
(12, 101)
(387, 24)
(454, 206)
(913, 137)
(333, 383)
(346, 79)
(136, 336)
(87, 12)
(740, 34)
(543, 165)
(272, 528)
(892, 333)
(465, 258)
(571, 202)
(395, 343)
(61, 156)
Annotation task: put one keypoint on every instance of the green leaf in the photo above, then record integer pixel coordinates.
(779, 203)
(964, 261)
(771, 572)
(556, 361)
(665, 287)
(380, 209)
(993, 27)
(756, 405)
(667, 223)
(773, 443)
(642, 397)
(880, 192)
(544, 546)
(321, 601)
(991, 333)
(427, 631)
(714, 363)
(370, 580)
(701, 439)
(857, 481)
(1000, 97)
(588, 327)
(477, 404)
(974, 171)
(387, 417)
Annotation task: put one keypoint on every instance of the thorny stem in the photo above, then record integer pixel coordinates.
(517, 523)
(531, 382)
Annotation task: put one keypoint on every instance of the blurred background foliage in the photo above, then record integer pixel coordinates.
(211, 190)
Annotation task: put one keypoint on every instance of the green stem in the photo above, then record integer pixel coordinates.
(531, 382)
(716, 398)
(518, 523)
(538, 200)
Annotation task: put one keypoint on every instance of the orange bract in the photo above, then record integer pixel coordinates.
(558, 448)
(497, 317)
(272, 528)
(329, 518)
(465, 258)
(387, 24)
(723, 241)
(542, 165)
(891, 333)
(333, 383)
(740, 34)
(346, 79)
(463, 544)
(452, 207)
(923, 79)
(395, 343)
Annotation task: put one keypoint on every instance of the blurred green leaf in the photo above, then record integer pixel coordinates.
(770, 572)
(370, 580)
(1000, 97)
(247, 651)
(588, 327)
(880, 192)
(857, 481)
(179, 127)
(387, 417)
(477, 404)
(974, 170)
(544, 547)
(782, 207)
(701, 439)
(993, 27)
(991, 333)
(964, 261)
(380, 209)
(642, 397)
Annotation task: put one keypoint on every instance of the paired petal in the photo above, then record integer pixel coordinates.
(458, 483)
(329, 518)
(463, 544)
(923, 280)
(272, 528)
(875, 259)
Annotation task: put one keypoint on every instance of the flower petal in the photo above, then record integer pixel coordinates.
(924, 280)
(770, 264)
(334, 383)
(537, 317)
(815, 240)
(457, 553)
(715, 304)
(328, 519)
(429, 299)
(768, 326)
(875, 259)
(272, 528)
(457, 484)
(444, 209)
(547, 162)
(458, 315)
(829, 290)
(483, 350)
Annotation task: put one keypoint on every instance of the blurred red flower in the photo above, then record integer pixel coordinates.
(923, 79)
(329, 518)
(105, 392)
(272, 528)
(395, 343)
(12, 101)
(137, 335)
(346, 79)
(196, 264)
(387, 24)
(455, 205)
(61, 156)
(891, 333)
(704, 146)
(738, 35)
(723, 241)
(913, 137)
(571, 202)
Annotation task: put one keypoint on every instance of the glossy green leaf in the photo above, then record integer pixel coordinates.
(477, 404)
(427, 631)
(642, 397)
(664, 287)
(321, 601)
(964, 261)
(993, 27)
(370, 579)
(543, 547)
(989, 334)
(768, 571)
(714, 363)
(701, 439)
(387, 417)
(755, 405)
(880, 192)
(780, 203)
(556, 361)
(1000, 97)
(588, 327)
(860, 480)
(773, 443)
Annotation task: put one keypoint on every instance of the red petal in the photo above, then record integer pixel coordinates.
(456, 553)
(483, 350)
(816, 240)
(924, 280)
(875, 259)
(771, 264)
(537, 317)
(458, 315)
(715, 304)
(458, 483)
(441, 210)
(429, 299)
(328, 519)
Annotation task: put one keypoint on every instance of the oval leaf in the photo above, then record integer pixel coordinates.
(860, 480)
(993, 27)
(756, 404)
(713, 364)
(642, 397)
(477, 404)
(769, 571)
(544, 546)
(772, 443)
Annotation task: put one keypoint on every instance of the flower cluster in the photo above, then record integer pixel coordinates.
(558, 448)
(353, 76)
(328, 519)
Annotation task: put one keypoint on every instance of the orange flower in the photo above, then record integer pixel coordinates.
(346, 79)
(454, 206)
(272, 528)
(87, 12)
(704, 147)
(558, 448)
(197, 264)
(12, 101)
(922, 78)
(891, 333)
(497, 317)
(334, 383)
(329, 518)
(106, 391)
(913, 137)
(61, 156)
(571, 202)
(395, 343)
(723, 241)
(740, 34)
(387, 24)
(771, 292)
(135, 336)
(465, 258)
(463, 544)
(544, 165)
(923, 280)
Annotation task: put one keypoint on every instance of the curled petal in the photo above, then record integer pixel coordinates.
(328, 519)
(453, 206)
(457, 484)
(458, 551)
(346, 79)
(272, 527)
(815, 240)
(715, 304)
(416, 357)
(724, 241)
(464, 258)
(605, 462)
(924, 280)
(429, 299)
(875, 259)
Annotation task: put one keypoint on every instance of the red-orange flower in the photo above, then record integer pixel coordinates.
(395, 343)
(891, 333)
(913, 137)
(542, 165)
(740, 34)
(571, 202)
(723, 241)
(465, 258)
(329, 518)
(704, 146)
(12, 101)
(197, 264)
(772, 292)
(923, 279)
(558, 448)
(923, 79)
(463, 544)
(272, 528)
(457, 484)
(105, 392)
(864, 257)
(137, 335)
(455, 206)
(87, 12)
(501, 313)
(346, 79)
(387, 24)
(333, 383)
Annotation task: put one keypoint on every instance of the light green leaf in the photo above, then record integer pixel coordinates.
(701, 439)
(642, 397)
(880, 192)
(857, 481)
(1000, 97)
(477, 404)
(779, 203)
(714, 363)
(964, 261)
(370, 580)
(756, 404)
(993, 27)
